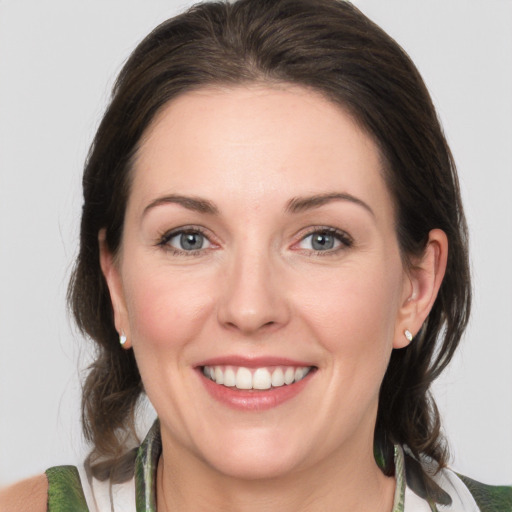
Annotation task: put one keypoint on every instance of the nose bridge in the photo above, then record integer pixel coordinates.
(252, 298)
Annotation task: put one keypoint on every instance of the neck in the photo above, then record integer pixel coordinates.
(345, 482)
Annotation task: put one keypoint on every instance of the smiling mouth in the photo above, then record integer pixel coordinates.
(263, 378)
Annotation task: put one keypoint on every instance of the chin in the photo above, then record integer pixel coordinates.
(249, 467)
(265, 455)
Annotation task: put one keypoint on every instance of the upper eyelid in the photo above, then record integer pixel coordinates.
(164, 238)
(345, 240)
(185, 229)
(163, 242)
(325, 229)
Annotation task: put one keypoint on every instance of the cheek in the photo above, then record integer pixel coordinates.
(166, 309)
(354, 314)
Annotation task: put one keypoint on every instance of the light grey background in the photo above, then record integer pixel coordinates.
(58, 59)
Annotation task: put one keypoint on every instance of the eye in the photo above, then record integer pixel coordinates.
(325, 240)
(189, 240)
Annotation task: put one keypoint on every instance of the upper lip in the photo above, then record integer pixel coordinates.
(252, 362)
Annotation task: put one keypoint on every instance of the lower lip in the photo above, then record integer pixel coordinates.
(254, 400)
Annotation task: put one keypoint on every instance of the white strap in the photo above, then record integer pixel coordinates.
(98, 494)
(462, 500)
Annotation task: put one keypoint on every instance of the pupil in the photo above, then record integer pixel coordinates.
(322, 242)
(191, 241)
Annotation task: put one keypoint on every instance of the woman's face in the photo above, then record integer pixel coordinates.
(259, 251)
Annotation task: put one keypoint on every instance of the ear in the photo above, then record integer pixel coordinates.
(112, 276)
(421, 286)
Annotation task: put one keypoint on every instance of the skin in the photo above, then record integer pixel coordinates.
(258, 288)
(29, 495)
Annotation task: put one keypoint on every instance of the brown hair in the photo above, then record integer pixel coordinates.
(331, 47)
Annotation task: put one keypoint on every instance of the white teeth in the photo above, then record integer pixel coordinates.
(261, 379)
(277, 378)
(289, 375)
(229, 378)
(243, 379)
(219, 375)
(258, 378)
(299, 374)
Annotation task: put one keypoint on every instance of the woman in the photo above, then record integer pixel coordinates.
(273, 249)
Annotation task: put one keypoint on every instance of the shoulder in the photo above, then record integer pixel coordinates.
(65, 489)
(453, 491)
(490, 498)
(59, 488)
(30, 495)
(468, 494)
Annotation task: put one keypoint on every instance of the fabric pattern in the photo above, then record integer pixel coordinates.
(145, 470)
(490, 498)
(399, 502)
(65, 493)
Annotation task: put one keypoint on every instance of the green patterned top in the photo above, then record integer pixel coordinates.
(443, 492)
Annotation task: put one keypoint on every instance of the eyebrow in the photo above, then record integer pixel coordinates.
(191, 203)
(295, 205)
(300, 204)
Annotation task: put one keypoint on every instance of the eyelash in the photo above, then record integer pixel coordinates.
(165, 238)
(345, 240)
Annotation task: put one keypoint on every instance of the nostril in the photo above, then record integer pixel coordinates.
(249, 307)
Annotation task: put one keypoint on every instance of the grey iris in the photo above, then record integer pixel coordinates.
(322, 241)
(191, 241)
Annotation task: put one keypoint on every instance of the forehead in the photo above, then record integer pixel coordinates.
(230, 113)
(261, 142)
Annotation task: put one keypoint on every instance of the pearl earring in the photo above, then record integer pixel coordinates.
(408, 335)
(122, 339)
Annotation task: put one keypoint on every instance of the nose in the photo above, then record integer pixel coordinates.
(253, 296)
